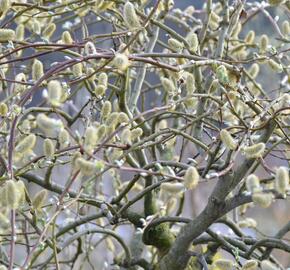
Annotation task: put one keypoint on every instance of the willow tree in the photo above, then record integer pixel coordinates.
(112, 112)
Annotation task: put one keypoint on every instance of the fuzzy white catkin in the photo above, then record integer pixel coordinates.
(6, 35)
(54, 93)
(66, 37)
(26, 144)
(250, 37)
(90, 138)
(130, 16)
(253, 183)
(263, 200)
(87, 167)
(63, 138)
(168, 86)
(250, 265)
(48, 148)
(19, 32)
(48, 125)
(191, 178)
(172, 187)
(255, 150)
(282, 180)
(37, 70)
(175, 45)
(190, 84)
(4, 6)
(3, 109)
(106, 109)
(267, 265)
(193, 42)
(90, 48)
(39, 199)
(228, 140)
(77, 69)
(121, 61)
(136, 133)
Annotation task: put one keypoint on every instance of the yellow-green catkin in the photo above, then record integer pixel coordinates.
(26, 144)
(172, 187)
(63, 138)
(286, 28)
(228, 140)
(175, 45)
(168, 86)
(48, 148)
(136, 133)
(87, 167)
(21, 190)
(112, 119)
(250, 37)
(99, 90)
(49, 30)
(130, 17)
(191, 178)
(47, 124)
(255, 150)
(19, 87)
(4, 6)
(101, 132)
(126, 136)
(282, 180)
(190, 84)
(6, 35)
(267, 265)
(3, 109)
(247, 223)
(77, 70)
(254, 70)
(263, 200)
(224, 264)
(90, 48)
(222, 74)
(121, 61)
(91, 138)
(12, 194)
(123, 118)
(275, 66)
(39, 199)
(250, 265)
(19, 32)
(4, 222)
(37, 70)
(253, 183)
(54, 93)
(193, 42)
(106, 109)
(66, 38)
(264, 42)
(103, 79)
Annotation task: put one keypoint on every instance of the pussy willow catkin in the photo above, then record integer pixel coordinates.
(191, 178)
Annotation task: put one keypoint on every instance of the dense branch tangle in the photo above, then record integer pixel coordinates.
(117, 110)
